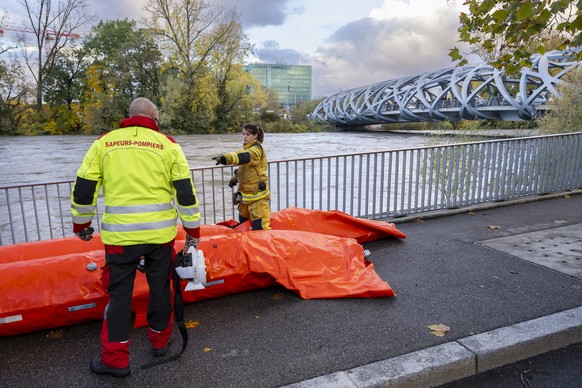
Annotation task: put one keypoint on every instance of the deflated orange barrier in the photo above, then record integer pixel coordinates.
(311, 264)
(55, 283)
(332, 222)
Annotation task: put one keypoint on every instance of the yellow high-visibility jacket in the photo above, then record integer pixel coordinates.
(140, 171)
(252, 160)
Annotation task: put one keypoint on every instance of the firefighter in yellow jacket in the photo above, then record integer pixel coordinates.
(141, 172)
(253, 184)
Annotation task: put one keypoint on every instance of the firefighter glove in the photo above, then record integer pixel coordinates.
(86, 234)
(236, 198)
(234, 180)
(262, 186)
(220, 159)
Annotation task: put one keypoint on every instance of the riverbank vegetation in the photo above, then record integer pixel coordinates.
(565, 114)
(462, 125)
(187, 60)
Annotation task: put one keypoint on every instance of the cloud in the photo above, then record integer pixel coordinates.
(270, 52)
(261, 13)
(117, 9)
(386, 45)
(253, 13)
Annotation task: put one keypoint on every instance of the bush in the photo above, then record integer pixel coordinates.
(565, 113)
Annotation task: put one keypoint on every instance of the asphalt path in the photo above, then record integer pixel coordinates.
(272, 337)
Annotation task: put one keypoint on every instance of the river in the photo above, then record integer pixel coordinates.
(43, 159)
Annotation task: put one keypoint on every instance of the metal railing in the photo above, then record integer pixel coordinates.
(375, 185)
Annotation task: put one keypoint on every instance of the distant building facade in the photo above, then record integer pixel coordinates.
(291, 82)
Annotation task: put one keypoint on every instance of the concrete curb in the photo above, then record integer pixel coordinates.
(464, 357)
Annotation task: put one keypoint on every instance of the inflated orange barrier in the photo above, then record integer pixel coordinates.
(48, 249)
(55, 283)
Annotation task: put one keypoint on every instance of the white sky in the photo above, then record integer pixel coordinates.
(349, 43)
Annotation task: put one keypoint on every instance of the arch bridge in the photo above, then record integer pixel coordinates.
(478, 92)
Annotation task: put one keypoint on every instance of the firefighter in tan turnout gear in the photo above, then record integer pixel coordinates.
(141, 173)
(252, 197)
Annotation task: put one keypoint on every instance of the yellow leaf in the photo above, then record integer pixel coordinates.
(566, 196)
(206, 350)
(278, 296)
(493, 227)
(439, 330)
(55, 334)
(192, 324)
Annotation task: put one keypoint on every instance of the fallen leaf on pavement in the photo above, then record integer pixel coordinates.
(494, 227)
(439, 330)
(55, 334)
(192, 324)
(559, 222)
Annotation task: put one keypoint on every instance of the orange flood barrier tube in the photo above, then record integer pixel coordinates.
(317, 254)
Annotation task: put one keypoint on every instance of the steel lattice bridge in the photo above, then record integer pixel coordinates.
(478, 92)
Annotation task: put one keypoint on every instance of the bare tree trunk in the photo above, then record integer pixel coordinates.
(53, 23)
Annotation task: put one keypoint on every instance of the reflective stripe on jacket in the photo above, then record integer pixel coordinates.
(252, 160)
(141, 172)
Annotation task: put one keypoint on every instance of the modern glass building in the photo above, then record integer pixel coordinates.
(291, 82)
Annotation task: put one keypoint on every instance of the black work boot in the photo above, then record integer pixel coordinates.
(160, 352)
(99, 368)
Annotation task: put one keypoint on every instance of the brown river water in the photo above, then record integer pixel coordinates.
(44, 159)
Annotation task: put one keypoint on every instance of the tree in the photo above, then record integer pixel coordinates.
(129, 56)
(64, 81)
(64, 86)
(125, 64)
(508, 26)
(194, 35)
(180, 24)
(142, 61)
(226, 64)
(14, 95)
(565, 113)
(96, 106)
(53, 24)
